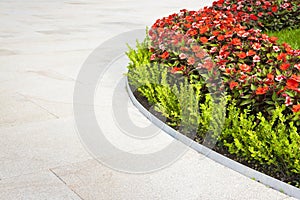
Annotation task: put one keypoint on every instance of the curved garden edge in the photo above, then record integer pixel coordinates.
(238, 167)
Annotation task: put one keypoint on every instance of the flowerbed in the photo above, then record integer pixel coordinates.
(214, 70)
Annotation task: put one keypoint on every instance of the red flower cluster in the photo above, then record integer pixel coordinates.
(261, 13)
(252, 64)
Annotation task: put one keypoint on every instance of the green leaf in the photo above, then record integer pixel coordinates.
(253, 87)
(245, 102)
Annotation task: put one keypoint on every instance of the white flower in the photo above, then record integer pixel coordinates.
(276, 48)
(182, 56)
(256, 58)
(279, 78)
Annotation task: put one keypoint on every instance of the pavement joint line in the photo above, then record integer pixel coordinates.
(30, 100)
(66, 184)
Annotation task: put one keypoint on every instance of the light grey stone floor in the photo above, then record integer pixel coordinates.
(43, 44)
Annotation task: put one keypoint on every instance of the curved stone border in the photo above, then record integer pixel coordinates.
(247, 171)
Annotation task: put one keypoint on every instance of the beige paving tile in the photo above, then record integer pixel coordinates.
(35, 146)
(37, 186)
(15, 109)
(191, 177)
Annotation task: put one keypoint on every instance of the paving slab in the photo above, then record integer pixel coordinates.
(189, 178)
(37, 146)
(18, 110)
(40, 185)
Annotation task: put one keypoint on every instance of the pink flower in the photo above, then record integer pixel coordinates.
(267, 3)
(213, 50)
(276, 48)
(239, 7)
(288, 101)
(279, 78)
(200, 66)
(162, 47)
(182, 56)
(191, 61)
(256, 46)
(245, 67)
(260, 14)
(285, 5)
(297, 66)
(175, 27)
(243, 33)
(153, 56)
(256, 58)
(211, 37)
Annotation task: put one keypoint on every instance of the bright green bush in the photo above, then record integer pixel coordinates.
(269, 142)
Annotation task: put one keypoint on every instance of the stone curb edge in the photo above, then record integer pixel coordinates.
(238, 167)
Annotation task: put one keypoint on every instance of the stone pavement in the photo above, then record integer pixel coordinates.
(43, 44)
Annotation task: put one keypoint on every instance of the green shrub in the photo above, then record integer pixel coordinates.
(269, 142)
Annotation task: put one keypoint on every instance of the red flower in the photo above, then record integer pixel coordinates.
(221, 37)
(245, 67)
(285, 66)
(270, 76)
(296, 108)
(253, 17)
(296, 78)
(292, 84)
(270, 79)
(192, 32)
(243, 78)
(251, 53)
(189, 19)
(203, 40)
(233, 84)
(165, 55)
(274, 8)
(273, 39)
(215, 33)
(187, 25)
(204, 29)
(236, 42)
(176, 69)
(281, 57)
(242, 55)
(262, 90)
